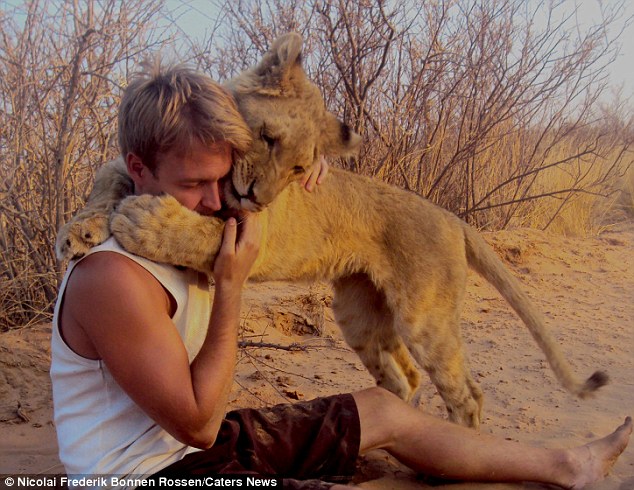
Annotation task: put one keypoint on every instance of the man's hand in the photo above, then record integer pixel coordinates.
(316, 174)
(237, 255)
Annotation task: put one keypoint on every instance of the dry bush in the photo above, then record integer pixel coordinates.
(61, 67)
(463, 102)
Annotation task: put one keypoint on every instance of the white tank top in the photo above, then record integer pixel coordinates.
(100, 430)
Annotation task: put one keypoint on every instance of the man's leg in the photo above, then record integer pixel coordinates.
(440, 448)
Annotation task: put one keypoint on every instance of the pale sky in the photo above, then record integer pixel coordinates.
(196, 15)
(622, 70)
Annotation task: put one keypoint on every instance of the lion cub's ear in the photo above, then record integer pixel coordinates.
(280, 72)
(337, 139)
(288, 49)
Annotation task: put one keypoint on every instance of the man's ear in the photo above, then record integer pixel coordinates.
(136, 168)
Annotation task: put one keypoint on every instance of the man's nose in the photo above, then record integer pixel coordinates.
(211, 197)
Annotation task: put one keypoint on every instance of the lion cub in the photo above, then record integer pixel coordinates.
(397, 263)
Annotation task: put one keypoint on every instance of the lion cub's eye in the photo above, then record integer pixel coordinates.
(298, 170)
(267, 138)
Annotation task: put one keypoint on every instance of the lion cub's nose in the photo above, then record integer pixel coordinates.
(250, 195)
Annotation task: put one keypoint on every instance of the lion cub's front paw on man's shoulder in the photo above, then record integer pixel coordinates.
(139, 222)
(146, 213)
(76, 237)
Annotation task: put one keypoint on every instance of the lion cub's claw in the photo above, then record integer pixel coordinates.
(80, 234)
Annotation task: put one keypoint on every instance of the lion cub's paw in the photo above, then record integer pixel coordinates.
(77, 236)
(141, 224)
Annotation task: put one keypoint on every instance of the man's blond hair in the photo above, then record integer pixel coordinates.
(169, 109)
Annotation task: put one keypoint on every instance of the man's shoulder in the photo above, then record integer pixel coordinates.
(107, 262)
(104, 270)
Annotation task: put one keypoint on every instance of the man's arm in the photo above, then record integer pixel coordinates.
(125, 315)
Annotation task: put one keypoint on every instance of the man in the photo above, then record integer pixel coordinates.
(142, 367)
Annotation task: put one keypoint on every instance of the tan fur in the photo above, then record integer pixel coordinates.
(89, 227)
(398, 263)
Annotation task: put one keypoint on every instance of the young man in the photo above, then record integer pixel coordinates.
(142, 366)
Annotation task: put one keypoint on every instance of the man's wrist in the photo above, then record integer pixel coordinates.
(228, 292)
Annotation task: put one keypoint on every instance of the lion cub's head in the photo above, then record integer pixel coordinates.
(291, 127)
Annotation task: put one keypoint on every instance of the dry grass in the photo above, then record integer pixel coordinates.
(625, 201)
(600, 198)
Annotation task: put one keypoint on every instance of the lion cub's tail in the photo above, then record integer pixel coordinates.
(486, 262)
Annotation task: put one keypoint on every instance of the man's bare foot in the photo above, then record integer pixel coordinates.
(594, 461)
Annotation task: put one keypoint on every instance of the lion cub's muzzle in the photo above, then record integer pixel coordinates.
(247, 200)
(241, 201)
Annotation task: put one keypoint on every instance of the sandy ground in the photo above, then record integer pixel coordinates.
(584, 287)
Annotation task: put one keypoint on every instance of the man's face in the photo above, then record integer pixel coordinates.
(193, 179)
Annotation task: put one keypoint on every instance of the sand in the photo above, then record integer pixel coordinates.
(583, 286)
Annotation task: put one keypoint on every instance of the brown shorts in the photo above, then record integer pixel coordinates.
(317, 439)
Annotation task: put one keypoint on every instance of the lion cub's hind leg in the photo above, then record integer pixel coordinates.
(437, 346)
(367, 324)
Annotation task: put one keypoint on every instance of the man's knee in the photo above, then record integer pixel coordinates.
(377, 397)
(379, 415)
